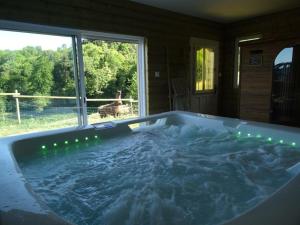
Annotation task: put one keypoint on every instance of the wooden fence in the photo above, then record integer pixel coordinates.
(18, 96)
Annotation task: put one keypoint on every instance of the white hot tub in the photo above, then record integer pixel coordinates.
(139, 163)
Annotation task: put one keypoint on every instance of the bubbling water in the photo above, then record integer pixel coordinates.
(164, 176)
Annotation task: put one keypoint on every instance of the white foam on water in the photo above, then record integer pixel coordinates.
(167, 175)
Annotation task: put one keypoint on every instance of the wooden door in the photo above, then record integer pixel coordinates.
(204, 76)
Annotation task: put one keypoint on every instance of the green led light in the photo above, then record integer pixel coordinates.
(249, 135)
(54, 144)
(239, 133)
(281, 141)
(76, 140)
(86, 138)
(269, 139)
(43, 146)
(258, 136)
(96, 136)
(293, 144)
(66, 142)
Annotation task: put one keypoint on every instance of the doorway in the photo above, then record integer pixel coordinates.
(285, 97)
(111, 79)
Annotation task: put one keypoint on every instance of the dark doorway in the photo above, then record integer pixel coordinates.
(286, 87)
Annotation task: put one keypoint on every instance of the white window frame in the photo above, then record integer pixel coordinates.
(77, 36)
(237, 56)
(140, 41)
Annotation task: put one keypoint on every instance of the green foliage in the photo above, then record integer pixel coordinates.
(133, 88)
(98, 71)
(123, 66)
(109, 67)
(40, 81)
(28, 70)
(40, 103)
(63, 74)
(2, 105)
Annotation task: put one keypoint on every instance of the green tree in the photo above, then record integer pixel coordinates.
(2, 106)
(63, 73)
(109, 67)
(100, 66)
(41, 80)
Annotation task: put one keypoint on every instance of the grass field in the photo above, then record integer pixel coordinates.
(9, 124)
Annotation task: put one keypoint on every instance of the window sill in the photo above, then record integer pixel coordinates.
(205, 92)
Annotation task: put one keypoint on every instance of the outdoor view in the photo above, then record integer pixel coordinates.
(37, 85)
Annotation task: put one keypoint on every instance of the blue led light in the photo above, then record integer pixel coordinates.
(294, 144)
(269, 139)
(249, 135)
(281, 141)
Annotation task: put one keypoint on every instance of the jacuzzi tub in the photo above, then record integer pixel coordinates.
(20, 205)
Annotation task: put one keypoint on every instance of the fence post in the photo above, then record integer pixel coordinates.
(18, 106)
(131, 109)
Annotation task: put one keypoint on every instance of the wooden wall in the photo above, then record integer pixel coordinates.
(274, 28)
(163, 30)
(167, 36)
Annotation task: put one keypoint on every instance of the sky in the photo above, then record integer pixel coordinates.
(10, 40)
(286, 55)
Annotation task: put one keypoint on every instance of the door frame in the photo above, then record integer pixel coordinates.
(141, 71)
(77, 35)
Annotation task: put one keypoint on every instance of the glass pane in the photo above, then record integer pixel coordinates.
(204, 79)
(110, 69)
(199, 70)
(284, 56)
(37, 88)
(285, 87)
(209, 69)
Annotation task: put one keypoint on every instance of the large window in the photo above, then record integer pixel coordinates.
(37, 84)
(54, 77)
(204, 69)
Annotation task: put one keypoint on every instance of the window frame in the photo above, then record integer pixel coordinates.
(197, 44)
(237, 56)
(77, 35)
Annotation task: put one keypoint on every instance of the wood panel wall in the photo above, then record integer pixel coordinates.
(167, 35)
(274, 28)
(163, 30)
